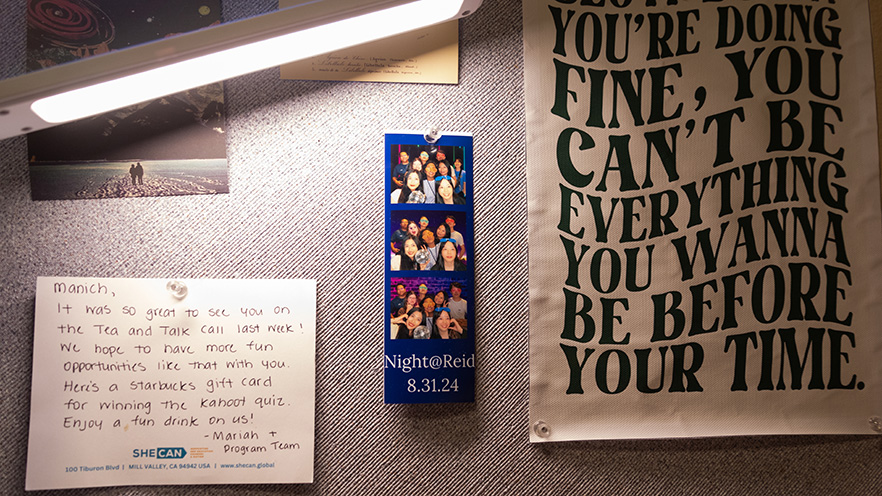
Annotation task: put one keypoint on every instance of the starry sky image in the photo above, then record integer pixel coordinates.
(63, 30)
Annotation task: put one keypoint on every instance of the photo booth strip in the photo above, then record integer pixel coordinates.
(429, 331)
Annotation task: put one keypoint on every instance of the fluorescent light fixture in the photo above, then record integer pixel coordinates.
(141, 73)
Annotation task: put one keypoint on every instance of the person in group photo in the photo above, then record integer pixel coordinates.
(407, 323)
(444, 327)
(400, 169)
(412, 184)
(444, 192)
(399, 299)
(456, 235)
(441, 232)
(457, 305)
(441, 157)
(440, 299)
(399, 236)
(449, 260)
(429, 182)
(419, 166)
(428, 238)
(406, 259)
(459, 176)
(424, 223)
(428, 306)
(410, 301)
(413, 231)
(422, 291)
(444, 171)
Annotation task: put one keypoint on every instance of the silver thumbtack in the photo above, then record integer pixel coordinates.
(541, 429)
(433, 135)
(177, 288)
(876, 424)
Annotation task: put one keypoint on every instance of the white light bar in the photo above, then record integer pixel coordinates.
(117, 79)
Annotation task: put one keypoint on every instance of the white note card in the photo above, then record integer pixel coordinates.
(151, 382)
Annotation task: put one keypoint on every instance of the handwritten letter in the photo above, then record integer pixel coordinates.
(429, 55)
(134, 385)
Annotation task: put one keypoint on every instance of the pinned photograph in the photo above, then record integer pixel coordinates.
(429, 334)
(174, 145)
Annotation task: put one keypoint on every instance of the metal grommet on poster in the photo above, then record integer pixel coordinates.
(541, 429)
(875, 424)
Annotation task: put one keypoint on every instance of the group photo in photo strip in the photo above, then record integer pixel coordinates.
(427, 240)
(426, 308)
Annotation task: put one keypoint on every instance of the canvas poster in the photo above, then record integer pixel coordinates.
(704, 219)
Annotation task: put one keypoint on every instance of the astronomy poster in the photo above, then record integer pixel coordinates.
(704, 219)
(174, 145)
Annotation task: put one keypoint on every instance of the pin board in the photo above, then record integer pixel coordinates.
(305, 201)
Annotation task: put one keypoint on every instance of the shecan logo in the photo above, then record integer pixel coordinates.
(172, 453)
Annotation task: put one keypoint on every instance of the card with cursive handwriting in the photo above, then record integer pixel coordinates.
(150, 381)
(429, 55)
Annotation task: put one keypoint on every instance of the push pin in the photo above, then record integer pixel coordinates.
(433, 135)
(876, 424)
(177, 288)
(541, 429)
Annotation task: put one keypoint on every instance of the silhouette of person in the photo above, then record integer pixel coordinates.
(139, 171)
(133, 172)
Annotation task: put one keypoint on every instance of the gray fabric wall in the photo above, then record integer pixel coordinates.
(290, 145)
